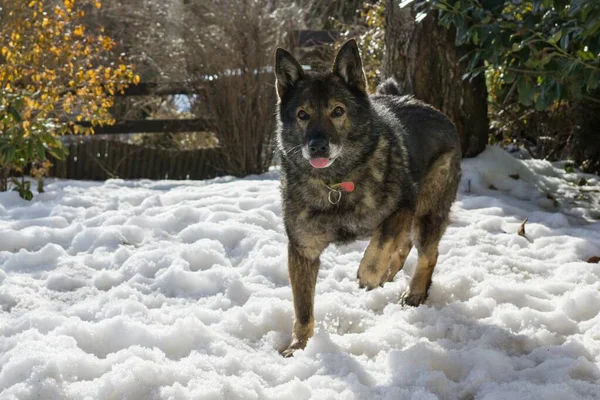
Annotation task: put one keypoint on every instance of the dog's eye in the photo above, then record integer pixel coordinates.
(338, 112)
(303, 115)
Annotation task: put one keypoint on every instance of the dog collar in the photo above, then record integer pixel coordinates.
(335, 191)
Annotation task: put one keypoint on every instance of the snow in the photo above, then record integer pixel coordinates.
(179, 290)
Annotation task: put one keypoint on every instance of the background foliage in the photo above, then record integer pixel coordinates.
(542, 63)
(539, 52)
(369, 31)
(54, 73)
(61, 62)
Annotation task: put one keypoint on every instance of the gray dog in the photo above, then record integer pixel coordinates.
(355, 166)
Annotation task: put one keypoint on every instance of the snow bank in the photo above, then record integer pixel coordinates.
(178, 290)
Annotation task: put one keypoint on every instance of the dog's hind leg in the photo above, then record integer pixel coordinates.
(438, 191)
(427, 232)
(387, 250)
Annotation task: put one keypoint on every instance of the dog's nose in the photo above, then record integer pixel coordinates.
(318, 146)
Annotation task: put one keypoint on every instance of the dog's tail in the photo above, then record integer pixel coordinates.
(388, 87)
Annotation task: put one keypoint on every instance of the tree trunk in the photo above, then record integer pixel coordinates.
(4, 172)
(423, 58)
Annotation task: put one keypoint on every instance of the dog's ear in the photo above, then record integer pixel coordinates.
(348, 65)
(287, 71)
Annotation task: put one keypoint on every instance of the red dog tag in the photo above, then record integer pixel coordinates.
(347, 186)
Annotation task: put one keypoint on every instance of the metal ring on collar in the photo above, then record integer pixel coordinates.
(339, 196)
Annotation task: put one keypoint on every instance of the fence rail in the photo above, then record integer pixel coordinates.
(104, 159)
(150, 126)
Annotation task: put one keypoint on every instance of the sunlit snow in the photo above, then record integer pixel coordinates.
(179, 290)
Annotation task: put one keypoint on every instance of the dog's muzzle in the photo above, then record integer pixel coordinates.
(320, 153)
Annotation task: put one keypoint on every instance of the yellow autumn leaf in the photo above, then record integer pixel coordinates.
(106, 42)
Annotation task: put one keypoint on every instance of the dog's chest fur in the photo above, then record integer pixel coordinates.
(310, 217)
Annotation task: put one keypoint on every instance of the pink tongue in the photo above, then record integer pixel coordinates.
(319, 162)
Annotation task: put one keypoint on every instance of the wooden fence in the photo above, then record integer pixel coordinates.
(103, 159)
(93, 159)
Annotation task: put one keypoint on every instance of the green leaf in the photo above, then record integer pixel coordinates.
(509, 76)
(14, 113)
(546, 96)
(26, 194)
(461, 32)
(585, 55)
(592, 82)
(559, 92)
(475, 36)
(564, 42)
(525, 88)
(545, 60)
(524, 53)
(576, 91)
(474, 60)
(40, 150)
(58, 150)
(556, 37)
(10, 155)
(29, 151)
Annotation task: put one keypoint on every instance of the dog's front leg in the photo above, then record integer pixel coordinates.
(303, 266)
(387, 251)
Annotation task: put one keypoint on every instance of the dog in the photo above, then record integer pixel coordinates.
(358, 166)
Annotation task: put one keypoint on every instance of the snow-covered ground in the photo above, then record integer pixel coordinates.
(179, 290)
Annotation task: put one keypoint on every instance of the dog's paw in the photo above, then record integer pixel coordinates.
(412, 299)
(362, 284)
(368, 279)
(289, 352)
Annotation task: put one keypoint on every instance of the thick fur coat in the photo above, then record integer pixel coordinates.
(399, 157)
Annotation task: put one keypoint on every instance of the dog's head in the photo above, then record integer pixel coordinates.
(320, 113)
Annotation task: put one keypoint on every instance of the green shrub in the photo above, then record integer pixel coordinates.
(536, 52)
